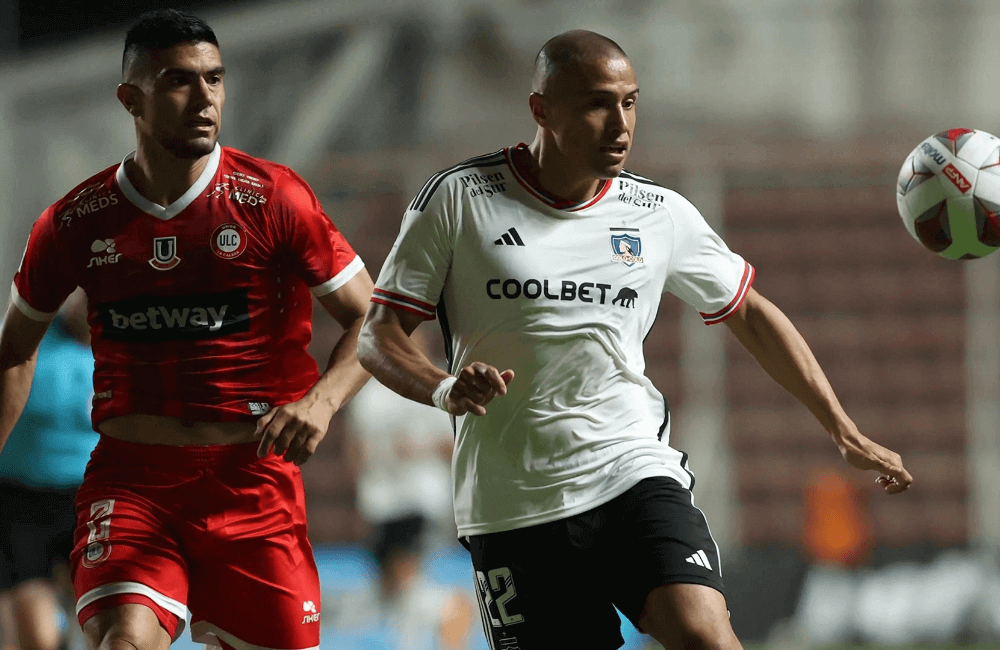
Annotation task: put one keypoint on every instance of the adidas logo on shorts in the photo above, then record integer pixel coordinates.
(701, 560)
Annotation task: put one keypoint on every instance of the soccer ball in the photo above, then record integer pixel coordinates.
(948, 193)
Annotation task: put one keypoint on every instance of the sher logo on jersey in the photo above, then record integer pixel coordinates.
(168, 318)
(567, 290)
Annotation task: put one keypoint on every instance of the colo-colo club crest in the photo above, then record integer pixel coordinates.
(164, 253)
(626, 249)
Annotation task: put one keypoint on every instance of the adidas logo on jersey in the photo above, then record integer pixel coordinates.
(701, 560)
(509, 238)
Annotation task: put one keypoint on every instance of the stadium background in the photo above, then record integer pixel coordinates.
(784, 121)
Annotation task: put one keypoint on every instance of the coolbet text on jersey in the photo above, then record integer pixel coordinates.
(546, 289)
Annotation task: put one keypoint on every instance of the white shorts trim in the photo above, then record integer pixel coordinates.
(28, 310)
(340, 279)
(205, 632)
(175, 607)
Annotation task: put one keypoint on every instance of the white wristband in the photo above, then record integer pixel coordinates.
(440, 394)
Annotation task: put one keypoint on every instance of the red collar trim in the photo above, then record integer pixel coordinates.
(522, 171)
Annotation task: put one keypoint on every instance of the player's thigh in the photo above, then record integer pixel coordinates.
(535, 590)
(125, 627)
(255, 581)
(127, 551)
(683, 615)
(655, 536)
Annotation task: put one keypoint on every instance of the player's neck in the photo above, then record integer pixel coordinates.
(161, 177)
(557, 176)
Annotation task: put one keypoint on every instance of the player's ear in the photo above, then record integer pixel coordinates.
(537, 106)
(129, 95)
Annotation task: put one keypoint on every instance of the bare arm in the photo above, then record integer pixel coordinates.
(386, 351)
(296, 429)
(779, 348)
(19, 339)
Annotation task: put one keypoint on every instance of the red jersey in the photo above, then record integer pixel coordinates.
(200, 309)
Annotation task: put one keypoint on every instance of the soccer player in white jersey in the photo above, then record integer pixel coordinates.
(548, 261)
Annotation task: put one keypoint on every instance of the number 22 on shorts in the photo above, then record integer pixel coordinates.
(500, 582)
(98, 547)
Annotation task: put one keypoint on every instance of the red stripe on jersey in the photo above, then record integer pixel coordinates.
(391, 295)
(403, 307)
(600, 195)
(748, 277)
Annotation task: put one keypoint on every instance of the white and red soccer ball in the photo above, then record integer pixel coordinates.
(948, 193)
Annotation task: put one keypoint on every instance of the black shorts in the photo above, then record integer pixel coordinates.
(403, 534)
(36, 531)
(556, 585)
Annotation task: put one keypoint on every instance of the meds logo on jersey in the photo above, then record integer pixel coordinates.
(626, 249)
(229, 241)
(154, 319)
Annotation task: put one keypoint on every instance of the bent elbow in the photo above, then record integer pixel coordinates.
(366, 347)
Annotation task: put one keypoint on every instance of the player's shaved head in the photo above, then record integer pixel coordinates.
(572, 54)
(159, 30)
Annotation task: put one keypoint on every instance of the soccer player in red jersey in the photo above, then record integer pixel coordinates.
(199, 263)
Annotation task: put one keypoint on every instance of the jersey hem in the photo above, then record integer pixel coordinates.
(723, 314)
(26, 309)
(564, 513)
(345, 275)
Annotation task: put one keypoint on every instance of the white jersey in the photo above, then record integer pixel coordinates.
(564, 295)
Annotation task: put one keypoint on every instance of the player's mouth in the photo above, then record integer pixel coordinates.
(615, 151)
(200, 123)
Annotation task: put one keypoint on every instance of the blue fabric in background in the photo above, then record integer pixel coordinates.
(51, 444)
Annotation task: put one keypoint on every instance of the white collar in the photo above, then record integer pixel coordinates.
(184, 201)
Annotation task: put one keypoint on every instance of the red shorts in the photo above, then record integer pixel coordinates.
(210, 529)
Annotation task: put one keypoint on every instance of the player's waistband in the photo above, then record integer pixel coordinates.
(150, 455)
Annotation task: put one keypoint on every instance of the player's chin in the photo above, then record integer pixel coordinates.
(191, 148)
(605, 170)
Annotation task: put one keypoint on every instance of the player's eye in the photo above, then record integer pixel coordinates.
(628, 103)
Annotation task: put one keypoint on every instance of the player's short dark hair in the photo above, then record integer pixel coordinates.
(163, 28)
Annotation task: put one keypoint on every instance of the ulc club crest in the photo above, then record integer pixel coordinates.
(626, 249)
(164, 253)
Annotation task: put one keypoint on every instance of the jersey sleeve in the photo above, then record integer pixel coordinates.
(414, 273)
(44, 279)
(317, 251)
(703, 272)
